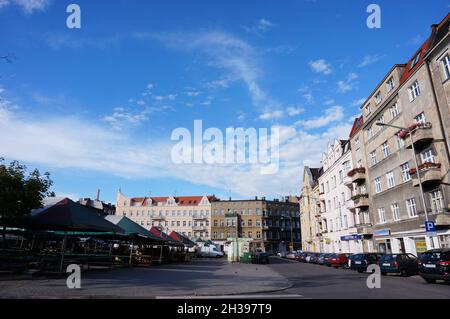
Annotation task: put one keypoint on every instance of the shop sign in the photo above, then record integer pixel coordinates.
(351, 237)
(421, 245)
(382, 232)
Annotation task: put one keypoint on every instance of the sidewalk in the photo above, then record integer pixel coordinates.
(199, 278)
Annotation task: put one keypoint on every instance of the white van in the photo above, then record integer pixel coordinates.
(210, 251)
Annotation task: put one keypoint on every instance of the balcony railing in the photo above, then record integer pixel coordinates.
(430, 174)
(421, 133)
(361, 201)
(357, 175)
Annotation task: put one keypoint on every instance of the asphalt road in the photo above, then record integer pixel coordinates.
(321, 282)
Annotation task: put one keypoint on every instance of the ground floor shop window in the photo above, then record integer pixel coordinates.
(444, 241)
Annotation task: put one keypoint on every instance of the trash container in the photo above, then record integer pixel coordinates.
(246, 258)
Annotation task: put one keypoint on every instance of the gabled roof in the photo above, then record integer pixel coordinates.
(357, 125)
(179, 237)
(440, 31)
(416, 61)
(130, 227)
(180, 200)
(159, 233)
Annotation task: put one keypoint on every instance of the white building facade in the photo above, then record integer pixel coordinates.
(339, 231)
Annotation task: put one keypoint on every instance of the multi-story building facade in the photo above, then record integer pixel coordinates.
(271, 225)
(187, 215)
(357, 183)
(438, 64)
(310, 210)
(405, 98)
(338, 221)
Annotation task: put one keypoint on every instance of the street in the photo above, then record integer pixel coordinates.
(321, 282)
(218, 279)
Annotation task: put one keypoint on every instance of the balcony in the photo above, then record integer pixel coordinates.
(364, 229)
(361, 201)
(348, 181)
(422, 136)
(158, 217)
(199, 228)
(357, 175)
(350, 205)
(199, 217)
(443, 219)
(430, 175)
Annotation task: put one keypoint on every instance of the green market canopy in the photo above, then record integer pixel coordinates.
(68, 216)
(133, 229)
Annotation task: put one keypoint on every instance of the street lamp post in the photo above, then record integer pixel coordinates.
(422, 193)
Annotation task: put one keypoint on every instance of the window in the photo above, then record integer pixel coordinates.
(446, 66)
(395, 208)
(414, 61)
(427, 156)
(421, 118)
(341, 177)
(368, 109)
(414, 91)
(385, 149)
(373, 157)
(370, 132)
(412, 208)
(382, 215)
(405, 172)
(378, 98)
(390, 179)
(390, 84)
(394, 111)
(437, 203)
(400, 142)
(378, 188)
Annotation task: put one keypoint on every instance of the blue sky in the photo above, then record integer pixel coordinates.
(96, 106)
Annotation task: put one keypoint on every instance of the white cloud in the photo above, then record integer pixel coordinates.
(122, 117)
(274, 115)
(358, 102)
(321, 66)
(28, 6)
(370, 59)
(348, 84)
(306, 93)
(263, 25)
(333, 114)
(293, 111)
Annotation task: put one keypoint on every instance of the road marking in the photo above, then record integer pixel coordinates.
(294, 296)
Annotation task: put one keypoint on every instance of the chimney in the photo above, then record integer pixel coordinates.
(98, 195)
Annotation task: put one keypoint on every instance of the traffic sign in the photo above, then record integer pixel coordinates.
(430, 227)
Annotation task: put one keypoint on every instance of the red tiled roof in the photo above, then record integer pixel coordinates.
(408, 70)
(181, 200)
(359, 121)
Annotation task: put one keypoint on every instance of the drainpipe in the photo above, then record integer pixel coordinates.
(441, 122)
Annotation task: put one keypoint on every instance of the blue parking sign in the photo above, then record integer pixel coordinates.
(430, 227)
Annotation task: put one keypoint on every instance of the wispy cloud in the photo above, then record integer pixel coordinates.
(321, 66)
(370, 59)
(348, 84)
(263, 25)
(331, 115)
(28, 6)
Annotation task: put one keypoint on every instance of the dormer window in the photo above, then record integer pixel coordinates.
(414, 61)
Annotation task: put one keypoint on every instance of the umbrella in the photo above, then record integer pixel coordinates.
(131, 228)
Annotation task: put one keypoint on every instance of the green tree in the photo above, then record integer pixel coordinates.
(20, 192)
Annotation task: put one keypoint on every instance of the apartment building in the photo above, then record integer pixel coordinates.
(310, 221)
(405, 98)
(272, 225)
(339, 230)
(187, 215)
(356, 181)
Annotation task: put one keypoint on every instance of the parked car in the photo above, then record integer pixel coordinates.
(348, 265)
(210, 251)
(404, 264)
(320, 259)
(291, 255)
(339, 260)
(313, 258)
(361, 261)
(260, 257)
(435, 265)
(302, 257)
(327, 260)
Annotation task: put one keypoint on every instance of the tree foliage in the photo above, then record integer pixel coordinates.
(21, 192)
